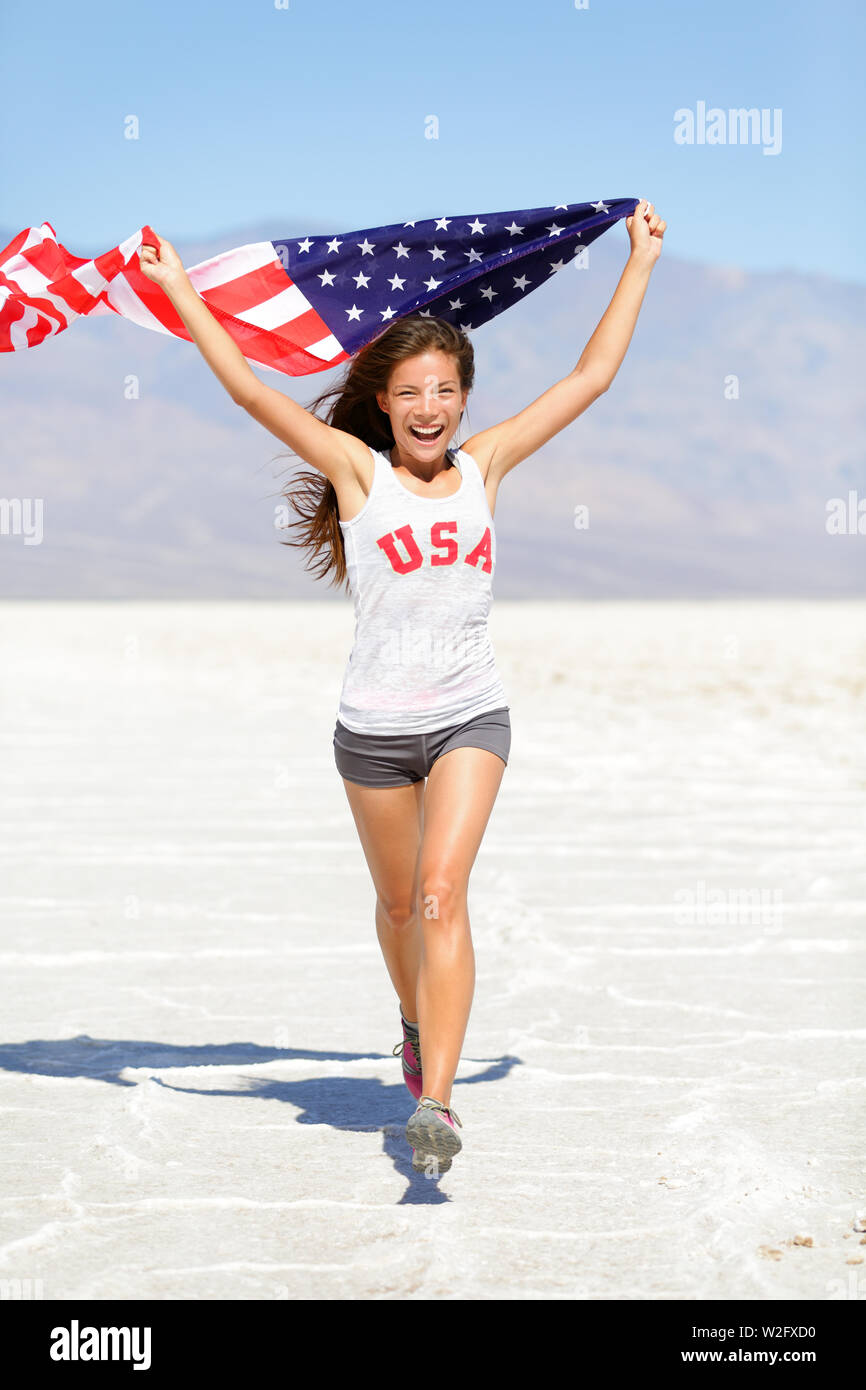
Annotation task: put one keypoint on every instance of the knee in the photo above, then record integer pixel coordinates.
(442, 896)
(398, 913)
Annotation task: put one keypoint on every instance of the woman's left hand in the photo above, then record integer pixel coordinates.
(646, 229)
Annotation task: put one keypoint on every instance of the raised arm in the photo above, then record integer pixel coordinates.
(333, 452)
(506, 444)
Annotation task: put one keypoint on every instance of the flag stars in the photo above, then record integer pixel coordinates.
(511, 259)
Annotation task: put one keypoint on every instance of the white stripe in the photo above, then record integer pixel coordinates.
(25, 276)
(19, 269)
(326, 348)
(128, 247)
(231, 264)
(18, 330)
(124, 299)
(91, 279)
(280, 309)
(34, 284)
(35, 237)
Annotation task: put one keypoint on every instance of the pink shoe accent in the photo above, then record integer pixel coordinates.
(411, 1063)
(442, 1114)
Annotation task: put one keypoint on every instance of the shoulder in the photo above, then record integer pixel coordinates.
(481, 450)
(363, 455)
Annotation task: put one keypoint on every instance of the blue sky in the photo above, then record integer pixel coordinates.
(314, 116)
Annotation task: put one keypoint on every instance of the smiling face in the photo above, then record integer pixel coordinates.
(424, 402)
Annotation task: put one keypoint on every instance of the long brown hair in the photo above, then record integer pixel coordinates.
(356, 410)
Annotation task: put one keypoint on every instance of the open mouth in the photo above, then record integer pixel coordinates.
(426, 436)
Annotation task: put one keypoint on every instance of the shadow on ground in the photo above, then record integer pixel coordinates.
(363, 1104)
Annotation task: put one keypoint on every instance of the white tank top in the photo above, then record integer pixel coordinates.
(420, 571)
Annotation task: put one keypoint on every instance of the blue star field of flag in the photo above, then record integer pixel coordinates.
(465, 269)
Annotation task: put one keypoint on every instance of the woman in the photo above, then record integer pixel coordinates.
(423, 733)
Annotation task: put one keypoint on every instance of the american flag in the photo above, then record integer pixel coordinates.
(305, 304)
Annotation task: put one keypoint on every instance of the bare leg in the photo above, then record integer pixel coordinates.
(389, 821)
(461, 789)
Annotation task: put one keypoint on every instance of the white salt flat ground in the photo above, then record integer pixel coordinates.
(197, 1091)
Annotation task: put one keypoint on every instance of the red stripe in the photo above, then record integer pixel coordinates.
(50, 321)
(52, 260)
(56, 265)
(307, 328)
(110, 263)
(154, 299)
(256, 287)
(14, 246)
(273, 349)
(35, 301)
(246, 291)
(73, 293)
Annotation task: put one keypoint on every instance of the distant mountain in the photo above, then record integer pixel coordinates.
(692, 489)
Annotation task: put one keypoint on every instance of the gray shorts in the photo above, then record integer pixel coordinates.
(397, 760)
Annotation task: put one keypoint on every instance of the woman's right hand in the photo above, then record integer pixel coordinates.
(164, 267)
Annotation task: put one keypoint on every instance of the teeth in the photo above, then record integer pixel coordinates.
(417, 429)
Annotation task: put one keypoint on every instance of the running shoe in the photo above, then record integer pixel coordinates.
(410, 1049)
(431, 1132)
